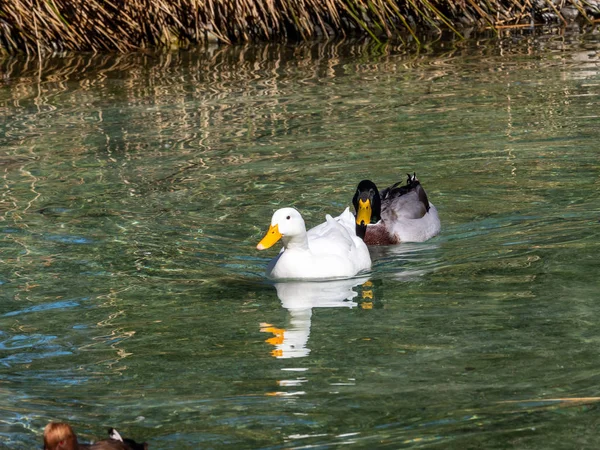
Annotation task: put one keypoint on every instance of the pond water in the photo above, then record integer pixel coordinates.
(136, 187)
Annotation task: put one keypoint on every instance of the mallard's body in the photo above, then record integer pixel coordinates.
(400, 213)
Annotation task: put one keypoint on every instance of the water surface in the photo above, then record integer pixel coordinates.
(134, 191)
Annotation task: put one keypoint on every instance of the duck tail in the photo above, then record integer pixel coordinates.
(412, 179)
(114, 434)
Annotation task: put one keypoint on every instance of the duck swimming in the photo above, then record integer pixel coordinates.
(396, 214)
(329, 250)
(60, 436)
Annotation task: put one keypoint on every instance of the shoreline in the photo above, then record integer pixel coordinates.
(40, 28)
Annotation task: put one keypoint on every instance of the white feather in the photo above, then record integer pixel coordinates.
(329, 250)
(114, 434)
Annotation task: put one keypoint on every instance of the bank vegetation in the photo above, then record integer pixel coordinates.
(41, 26)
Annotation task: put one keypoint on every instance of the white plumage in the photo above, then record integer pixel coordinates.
(329, 250)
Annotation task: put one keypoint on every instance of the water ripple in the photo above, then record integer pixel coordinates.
(63, 304)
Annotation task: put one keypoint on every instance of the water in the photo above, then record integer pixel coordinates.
(134, 191)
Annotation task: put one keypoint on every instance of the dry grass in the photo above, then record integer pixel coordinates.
(38, 26)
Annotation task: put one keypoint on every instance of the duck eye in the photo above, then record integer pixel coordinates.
(288, 217)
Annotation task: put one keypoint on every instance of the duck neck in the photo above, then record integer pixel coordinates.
(361, 230)
(299, 242)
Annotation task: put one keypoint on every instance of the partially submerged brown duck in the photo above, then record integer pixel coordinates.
(60, 436)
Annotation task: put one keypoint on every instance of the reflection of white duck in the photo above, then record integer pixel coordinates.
(330, 250)
(299, 298)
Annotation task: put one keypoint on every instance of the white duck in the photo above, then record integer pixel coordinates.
(329, 250)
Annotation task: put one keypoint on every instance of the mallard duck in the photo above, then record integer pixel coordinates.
(329, 250)
(394, 215)
(60, 436)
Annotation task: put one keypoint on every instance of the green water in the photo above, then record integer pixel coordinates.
(134, 190)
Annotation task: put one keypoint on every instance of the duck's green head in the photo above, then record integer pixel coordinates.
(367, 204)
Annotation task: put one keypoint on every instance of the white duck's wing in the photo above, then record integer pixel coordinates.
(330, 238)
(346, 219)
(337, 236)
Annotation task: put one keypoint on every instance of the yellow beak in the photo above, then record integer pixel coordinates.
(364, 212)
(272, 236)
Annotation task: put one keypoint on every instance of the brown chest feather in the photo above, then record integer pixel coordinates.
(377, 235)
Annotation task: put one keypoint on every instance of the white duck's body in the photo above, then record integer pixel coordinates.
(329, 250)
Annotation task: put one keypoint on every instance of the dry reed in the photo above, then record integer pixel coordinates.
(39, 26)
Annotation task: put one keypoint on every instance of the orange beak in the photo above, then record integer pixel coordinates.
(272, 236)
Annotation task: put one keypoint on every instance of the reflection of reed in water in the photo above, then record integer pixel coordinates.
(90, 132)
(299, 298)
(116, 336)
(199, 115)
(203, 105)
